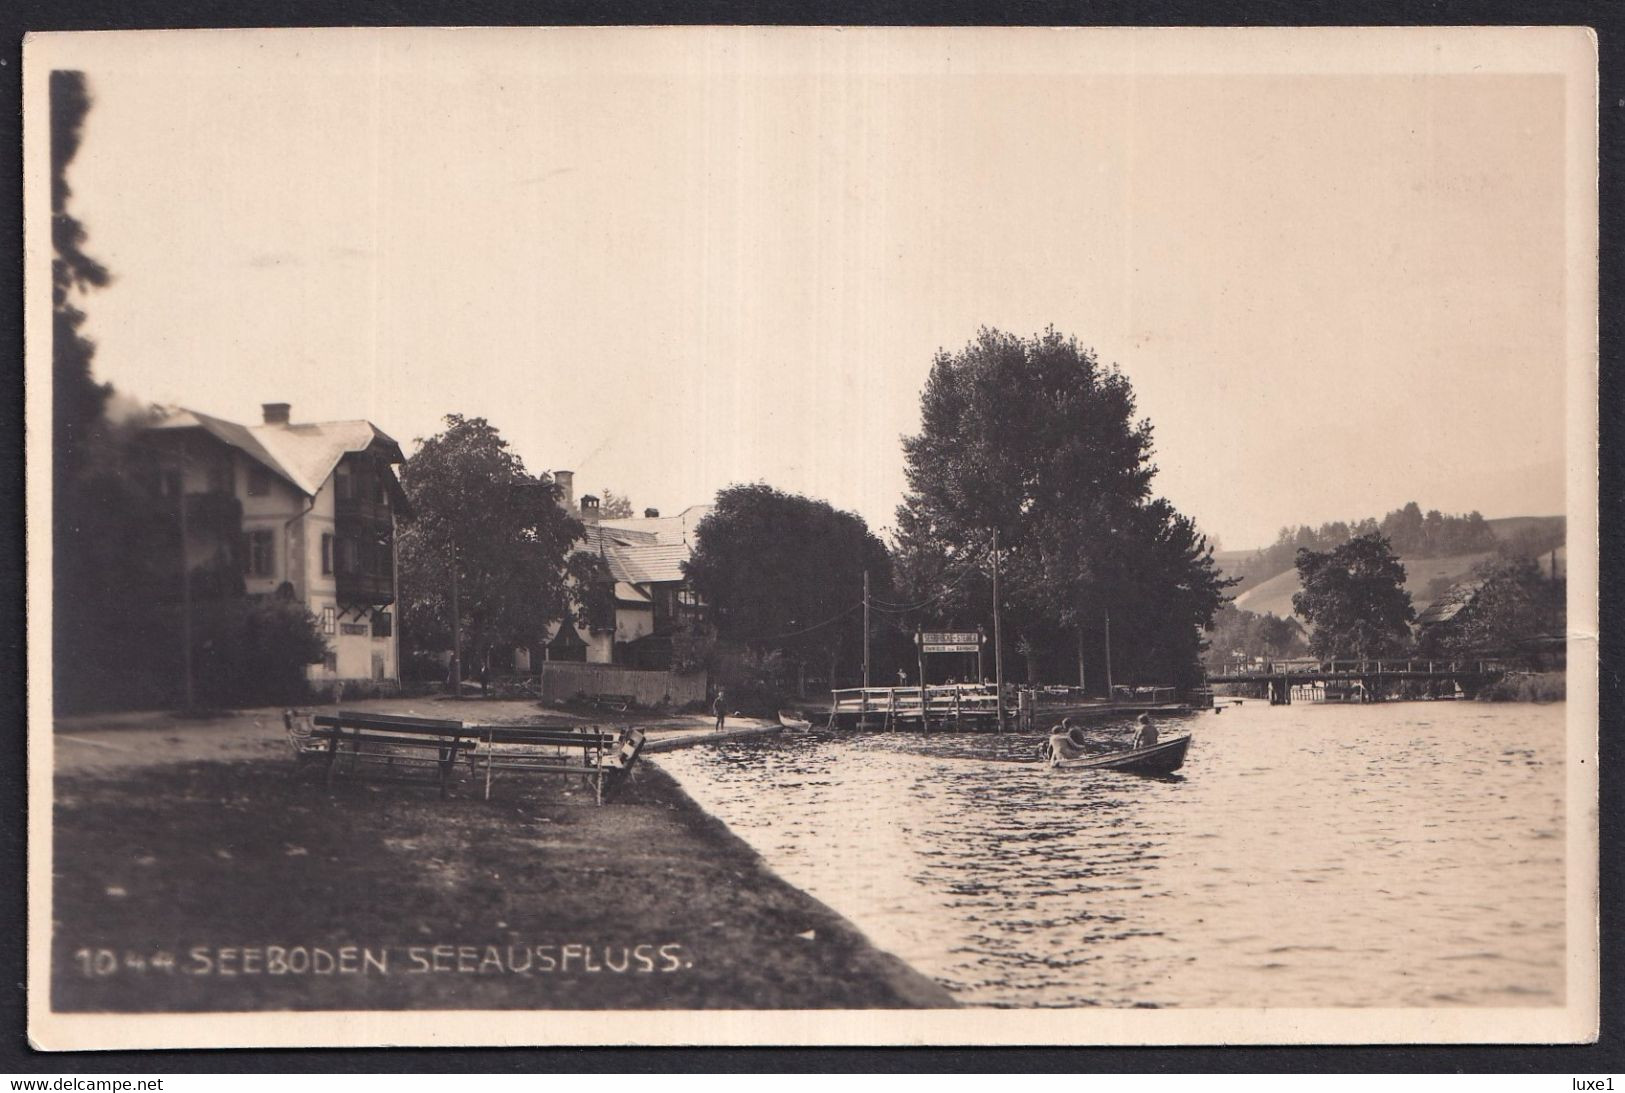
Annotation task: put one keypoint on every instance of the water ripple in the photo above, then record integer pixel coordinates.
(1402, 855)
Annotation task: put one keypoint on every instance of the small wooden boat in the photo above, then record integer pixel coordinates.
(1161, 758)
(793, 723)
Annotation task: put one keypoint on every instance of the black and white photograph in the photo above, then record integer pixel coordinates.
(811, 536)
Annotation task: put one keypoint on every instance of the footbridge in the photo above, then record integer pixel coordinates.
(1371, 679)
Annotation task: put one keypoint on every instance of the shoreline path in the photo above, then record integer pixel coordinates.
(196, 871)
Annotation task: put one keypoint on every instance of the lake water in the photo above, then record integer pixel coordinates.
(1408, 854)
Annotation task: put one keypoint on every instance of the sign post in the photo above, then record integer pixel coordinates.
(954, 642)
(951, 641)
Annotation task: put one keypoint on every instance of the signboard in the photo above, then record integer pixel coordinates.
(950, 641)
(353, 628)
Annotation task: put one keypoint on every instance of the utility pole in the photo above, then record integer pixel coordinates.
(456, 630)
(1108, 654)
(998, 632)
(865, 629)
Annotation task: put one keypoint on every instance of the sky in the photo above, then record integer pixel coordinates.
(670, 262)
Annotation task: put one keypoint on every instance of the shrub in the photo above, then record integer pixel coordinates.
(253, 652)
(1527, 687)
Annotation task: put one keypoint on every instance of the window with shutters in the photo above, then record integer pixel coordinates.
(260, 558)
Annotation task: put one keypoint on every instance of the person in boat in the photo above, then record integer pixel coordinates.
(1066, 741)
(1146, 737)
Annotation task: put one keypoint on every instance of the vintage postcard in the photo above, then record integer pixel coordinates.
(812, 536)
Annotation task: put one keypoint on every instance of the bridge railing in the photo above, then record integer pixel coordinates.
(1374, 667)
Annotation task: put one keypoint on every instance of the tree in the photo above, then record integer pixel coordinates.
(112, 558)
(615, 506)
(1239, 634)
(1515, 604)
(1036, 438)
(77, 398)
(781, 572)
(1354, 596)
(476, 508)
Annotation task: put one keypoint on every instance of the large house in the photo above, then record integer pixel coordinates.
(650, 600)
(319, 503)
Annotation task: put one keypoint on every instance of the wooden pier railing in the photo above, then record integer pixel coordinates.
(934, 703)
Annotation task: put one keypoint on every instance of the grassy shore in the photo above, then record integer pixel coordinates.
(237, 884)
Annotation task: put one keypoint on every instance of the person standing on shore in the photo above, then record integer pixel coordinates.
(720, 708)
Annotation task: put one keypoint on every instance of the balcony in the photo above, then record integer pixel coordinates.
(364, 560)
(368, 588)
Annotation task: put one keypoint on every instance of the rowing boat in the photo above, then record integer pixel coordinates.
(794, 723)
(1163, 758)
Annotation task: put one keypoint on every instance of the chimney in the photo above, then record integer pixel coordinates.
(276, 413)
(651, 514)
(567, 488)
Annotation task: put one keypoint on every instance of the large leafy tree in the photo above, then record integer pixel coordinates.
(475, 507)
(1035, 438)
(1515, 603)
(784, 573)
(1354, 597)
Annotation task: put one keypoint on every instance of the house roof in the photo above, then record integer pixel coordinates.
(631, 595)
(1452, 603)
(303, 455)
(677, 529)
(635, 556)
(652, 564)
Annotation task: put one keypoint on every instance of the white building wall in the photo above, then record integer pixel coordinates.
(357, 655)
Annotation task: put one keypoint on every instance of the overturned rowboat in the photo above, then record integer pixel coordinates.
(1162, 758)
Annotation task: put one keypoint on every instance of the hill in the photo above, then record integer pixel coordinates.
(1425, 579)
(1272, 592)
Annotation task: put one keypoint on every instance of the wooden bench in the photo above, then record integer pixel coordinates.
(604, 759)
(391, 740)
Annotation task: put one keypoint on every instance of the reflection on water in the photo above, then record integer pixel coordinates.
(1399, 855)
